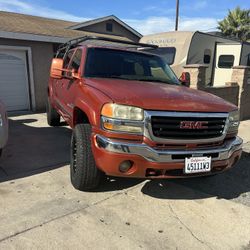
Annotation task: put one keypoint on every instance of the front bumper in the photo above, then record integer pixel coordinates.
(110, 153)
(221, 153)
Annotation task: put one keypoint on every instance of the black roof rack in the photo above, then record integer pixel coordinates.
(64, 48)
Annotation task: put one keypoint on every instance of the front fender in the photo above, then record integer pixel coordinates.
(92, 104)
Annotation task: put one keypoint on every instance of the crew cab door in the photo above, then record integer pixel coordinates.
(227, 56)
(69, 85)
(58, 83)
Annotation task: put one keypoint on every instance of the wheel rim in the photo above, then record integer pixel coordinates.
(73, 154)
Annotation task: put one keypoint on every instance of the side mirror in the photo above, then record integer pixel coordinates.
(56, 68)
(185, 79)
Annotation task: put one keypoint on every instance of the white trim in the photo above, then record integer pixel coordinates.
(32, 37)
(30, 69)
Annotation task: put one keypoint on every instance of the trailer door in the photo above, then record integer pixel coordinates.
(227, 56)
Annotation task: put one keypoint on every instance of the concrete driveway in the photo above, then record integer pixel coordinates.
(39, 209)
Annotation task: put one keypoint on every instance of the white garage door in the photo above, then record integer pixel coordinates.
(14, 88)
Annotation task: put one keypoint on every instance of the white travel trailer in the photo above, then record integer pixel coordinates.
(180, 48)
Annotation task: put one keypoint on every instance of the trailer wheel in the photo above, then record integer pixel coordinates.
(83, 171)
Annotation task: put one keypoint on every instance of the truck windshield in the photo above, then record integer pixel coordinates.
(128, 65)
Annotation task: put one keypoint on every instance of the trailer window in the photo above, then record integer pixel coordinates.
(167, 53)
(226, 61)
(207, 56)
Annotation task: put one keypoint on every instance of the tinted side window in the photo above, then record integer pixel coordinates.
(67, 59)
(76, 61)
(226, 61)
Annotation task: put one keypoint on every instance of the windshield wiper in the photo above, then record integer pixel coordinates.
(112, 76)
(135, 79)
(156, 80)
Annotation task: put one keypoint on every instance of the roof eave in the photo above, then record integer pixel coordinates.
(32, 37)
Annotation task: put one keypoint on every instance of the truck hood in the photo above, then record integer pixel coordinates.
(159, 96)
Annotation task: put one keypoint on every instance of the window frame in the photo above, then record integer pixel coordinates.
(207, 52)
(109, 27)
(72, 59)
(66, 56)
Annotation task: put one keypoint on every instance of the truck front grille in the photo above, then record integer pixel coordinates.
(187, 128)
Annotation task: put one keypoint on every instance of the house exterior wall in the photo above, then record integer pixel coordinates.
(42, 53)
(118, 30)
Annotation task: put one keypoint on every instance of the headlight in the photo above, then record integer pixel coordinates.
(122, 118)
(118, 111)
(234, 121)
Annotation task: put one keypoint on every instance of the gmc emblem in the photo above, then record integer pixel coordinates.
(193, 125)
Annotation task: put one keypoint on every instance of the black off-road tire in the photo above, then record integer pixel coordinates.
(83, 171)
(53, 118)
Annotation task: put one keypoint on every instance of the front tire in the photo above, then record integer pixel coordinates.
(53, 118)
(83, 171)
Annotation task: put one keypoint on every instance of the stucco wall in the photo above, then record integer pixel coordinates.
(42, 54)
(241, 75)
(228, 93)
(245, 102)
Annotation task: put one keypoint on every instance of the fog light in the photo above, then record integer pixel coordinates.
(125, 166)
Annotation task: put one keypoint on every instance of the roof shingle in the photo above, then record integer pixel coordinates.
(20, 23)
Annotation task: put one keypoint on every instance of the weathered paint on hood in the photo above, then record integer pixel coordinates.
(159, 96)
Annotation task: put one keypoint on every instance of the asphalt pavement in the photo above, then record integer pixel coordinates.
(41, 210)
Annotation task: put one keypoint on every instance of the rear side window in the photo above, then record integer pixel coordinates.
(226, 61)
(76, 61)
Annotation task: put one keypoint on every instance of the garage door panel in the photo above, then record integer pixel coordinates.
(14, 90)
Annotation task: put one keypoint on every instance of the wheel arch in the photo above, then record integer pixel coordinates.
(80, 116)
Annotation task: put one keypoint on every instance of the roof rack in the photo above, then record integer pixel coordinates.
(64, 48)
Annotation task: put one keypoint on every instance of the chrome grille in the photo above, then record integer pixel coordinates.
(169, 127)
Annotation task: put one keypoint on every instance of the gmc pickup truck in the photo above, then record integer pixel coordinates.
(132, 117)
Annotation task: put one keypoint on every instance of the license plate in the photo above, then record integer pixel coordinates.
(197, 165)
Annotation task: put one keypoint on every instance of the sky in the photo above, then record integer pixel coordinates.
(147, 17)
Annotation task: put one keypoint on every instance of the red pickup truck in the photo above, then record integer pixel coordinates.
(132, 117)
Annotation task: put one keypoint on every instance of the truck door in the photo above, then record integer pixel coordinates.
(69, 85)
(58, 83)
(227, 56)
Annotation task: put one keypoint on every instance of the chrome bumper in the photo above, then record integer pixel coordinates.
(222, 152)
